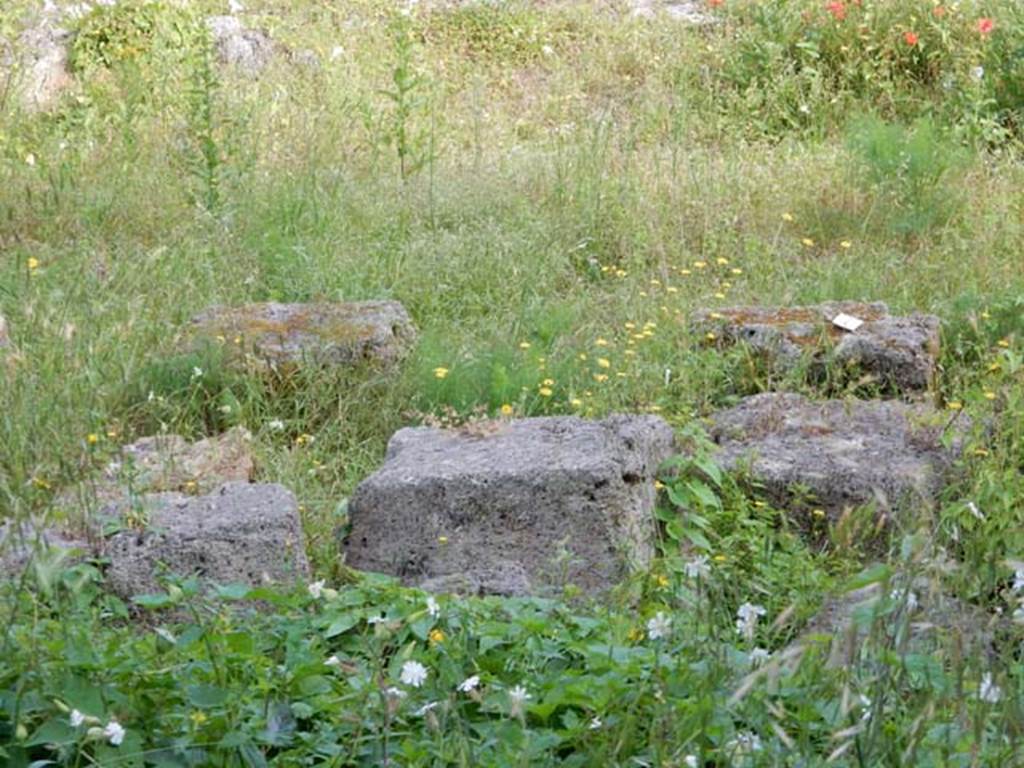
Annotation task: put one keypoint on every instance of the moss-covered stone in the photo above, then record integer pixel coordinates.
(339, 334)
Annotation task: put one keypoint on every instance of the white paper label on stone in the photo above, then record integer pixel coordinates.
(847, 322)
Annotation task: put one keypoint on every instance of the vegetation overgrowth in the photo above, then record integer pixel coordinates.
(550, 189)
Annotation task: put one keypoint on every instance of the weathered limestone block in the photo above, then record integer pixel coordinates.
(912, 617)
(341, 334)
(901, 351)
(164, 463)
(845, 453)
(522, 507)
(248, 533)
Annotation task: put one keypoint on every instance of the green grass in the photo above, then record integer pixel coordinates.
(533, 176)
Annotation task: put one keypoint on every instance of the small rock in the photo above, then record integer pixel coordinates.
(240, 533)
(845, 453)
(339, 334)
(41, 64)
(516, 507)
(850, 617)
(248, 50)
(900, 351)
(694, 13)
(21, 541)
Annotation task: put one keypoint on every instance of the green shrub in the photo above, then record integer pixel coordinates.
(909, 173)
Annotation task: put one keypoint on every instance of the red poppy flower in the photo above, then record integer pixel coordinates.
(910, 38)
(986, 25)
(837, 9)
(715, 3)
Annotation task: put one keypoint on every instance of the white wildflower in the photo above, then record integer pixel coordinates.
(865, 704)
(433, 608)
(745, 742)
(690, 761)
(114, 733)
(977, 73)
(337, 52)
(316, 589)
(235, 7)
(658, 627)
(30, 159)
(413, 673)
(988, 691)
(517, 698)
(333, 661)
(900, 596)
(275, 425)
(973, 509)
(395, 693)
(698, 568)
(197, 373)
(759, 656)
(425, 708)
(1018, 580)
(77, 718)
(595, 723)
(746, 619)
(469, 684)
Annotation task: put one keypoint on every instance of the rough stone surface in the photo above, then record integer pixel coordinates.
(163, 463)
(845, 453)
(248, 50)
(689, 12)
(901, 351)
(328, 334)
(241, 532)
(492, 509)
(19, 541)
(926, 614)
(39, 63)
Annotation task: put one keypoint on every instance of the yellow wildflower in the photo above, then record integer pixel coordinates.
(545, 392)
(787, 217)
(600, 377)
(700, 264)
(440, 372)
(990, 395)
(954, 405)
(807, 242)
(92, 438)
(721, 261)
(506, 410)
(604, 362)
(436, 636)
(845, 244)
(601, 343)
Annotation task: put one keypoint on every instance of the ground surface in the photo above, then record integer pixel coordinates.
(551, 190)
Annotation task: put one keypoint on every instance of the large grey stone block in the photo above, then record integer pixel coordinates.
(900, 351)
(844, 453)
(249, 533)
(342, 334)
(523, 506)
